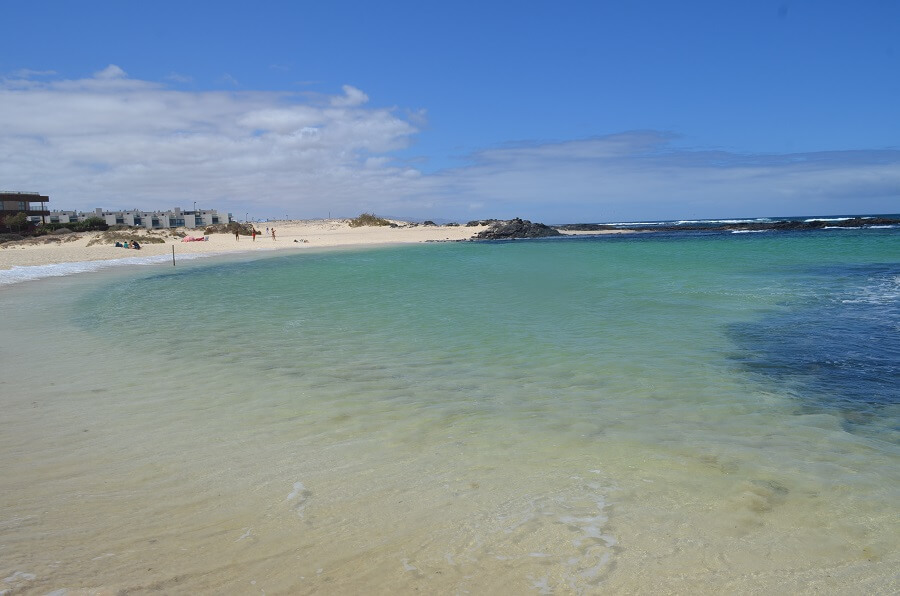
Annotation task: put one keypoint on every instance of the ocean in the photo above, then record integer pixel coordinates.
(666, 412)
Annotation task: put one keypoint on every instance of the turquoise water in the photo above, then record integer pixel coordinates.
(694, 412)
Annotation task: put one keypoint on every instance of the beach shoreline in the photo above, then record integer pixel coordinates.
(293, 235)
(289, 235)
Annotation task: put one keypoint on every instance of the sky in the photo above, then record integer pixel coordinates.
(558, 112)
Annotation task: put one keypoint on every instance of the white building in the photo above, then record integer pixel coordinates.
(152, 220)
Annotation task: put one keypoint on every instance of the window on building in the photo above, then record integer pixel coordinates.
(155, 222)
(120, 220)
(215, 219)
(137, 220)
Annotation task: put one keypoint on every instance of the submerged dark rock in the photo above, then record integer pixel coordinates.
(516, 228)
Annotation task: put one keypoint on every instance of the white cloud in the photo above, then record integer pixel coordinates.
(27, 73)
(113, 141)
(180, 78)
(352, 97)
(110, 72)
(109, 140)
(639, 175)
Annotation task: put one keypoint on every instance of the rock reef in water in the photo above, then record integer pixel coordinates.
(812, 224)
(816, 224)
(516, 228)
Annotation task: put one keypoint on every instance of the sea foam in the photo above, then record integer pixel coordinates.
(19, 274)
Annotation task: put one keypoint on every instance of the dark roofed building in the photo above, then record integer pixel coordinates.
(29, 203)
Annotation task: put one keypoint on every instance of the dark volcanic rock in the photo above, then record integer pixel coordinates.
(816, 224)
(782, 225)
(516, 228)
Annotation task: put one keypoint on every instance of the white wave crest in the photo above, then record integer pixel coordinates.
(20, 274)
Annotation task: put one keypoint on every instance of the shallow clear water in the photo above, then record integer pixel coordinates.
(695, 412)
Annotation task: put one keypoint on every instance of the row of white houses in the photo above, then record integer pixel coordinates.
(152, 220)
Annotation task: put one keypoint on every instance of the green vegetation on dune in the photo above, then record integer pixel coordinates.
(368, 219)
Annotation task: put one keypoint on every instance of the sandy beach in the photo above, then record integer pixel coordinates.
(289, 235)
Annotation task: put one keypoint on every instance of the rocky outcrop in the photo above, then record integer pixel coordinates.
(516, 228)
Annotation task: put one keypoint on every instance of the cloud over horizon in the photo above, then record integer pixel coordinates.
(640, 175)
(113, 141)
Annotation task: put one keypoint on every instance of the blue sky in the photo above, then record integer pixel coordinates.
(552, 111)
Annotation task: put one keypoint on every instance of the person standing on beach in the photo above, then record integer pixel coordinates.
(254, 234)
(273, 233)
(237, 235)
